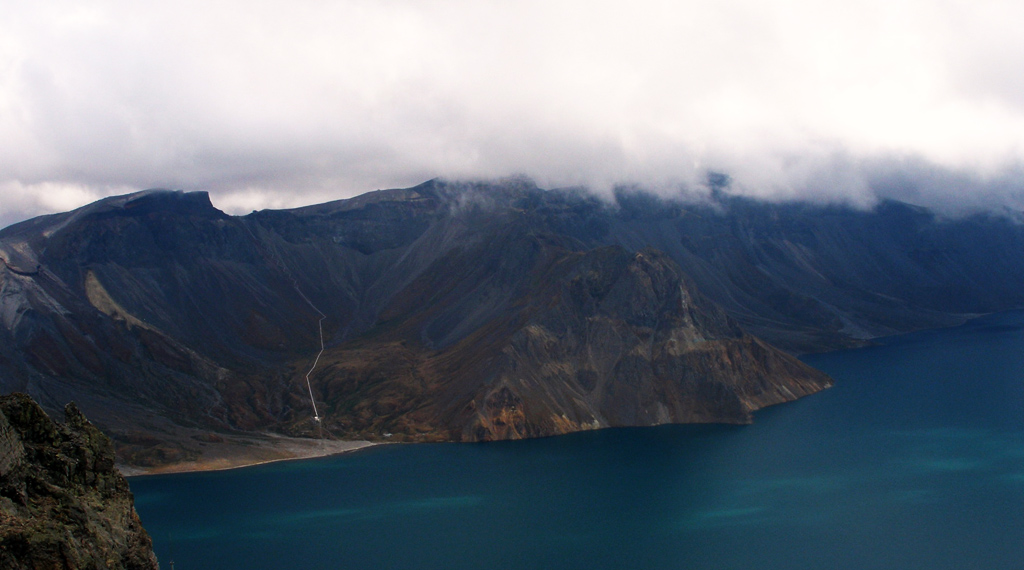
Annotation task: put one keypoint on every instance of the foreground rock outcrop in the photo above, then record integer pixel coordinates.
(63, 505)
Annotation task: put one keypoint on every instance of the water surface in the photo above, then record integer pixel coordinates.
(914, 460)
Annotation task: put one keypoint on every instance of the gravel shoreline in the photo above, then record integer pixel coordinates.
(247, 452)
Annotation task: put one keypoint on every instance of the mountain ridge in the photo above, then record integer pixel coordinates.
(156, 311)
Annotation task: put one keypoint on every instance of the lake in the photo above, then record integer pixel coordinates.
(914, 460)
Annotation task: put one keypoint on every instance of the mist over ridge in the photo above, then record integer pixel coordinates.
(275, 106)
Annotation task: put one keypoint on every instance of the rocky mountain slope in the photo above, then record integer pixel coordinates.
(466, 311)
(62, 502)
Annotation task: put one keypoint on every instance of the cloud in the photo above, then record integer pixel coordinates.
(282, 104)
(22, 201)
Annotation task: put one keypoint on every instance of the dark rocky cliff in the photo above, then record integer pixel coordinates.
(467, 311)
(63, 505)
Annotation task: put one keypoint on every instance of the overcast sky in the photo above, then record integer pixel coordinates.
(275, 104)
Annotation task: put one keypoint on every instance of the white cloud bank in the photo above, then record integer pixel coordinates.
(271, 104)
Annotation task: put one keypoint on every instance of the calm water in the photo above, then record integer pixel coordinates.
(914, 460)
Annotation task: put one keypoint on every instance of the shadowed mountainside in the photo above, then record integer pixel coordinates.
(466, 311)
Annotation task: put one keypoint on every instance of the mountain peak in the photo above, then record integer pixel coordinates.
(195, 203)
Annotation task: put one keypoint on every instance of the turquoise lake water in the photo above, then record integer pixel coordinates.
(914, 460)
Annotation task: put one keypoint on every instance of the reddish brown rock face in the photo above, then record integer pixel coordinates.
(582, 340)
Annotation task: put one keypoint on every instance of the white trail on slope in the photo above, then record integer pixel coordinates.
(319, 323)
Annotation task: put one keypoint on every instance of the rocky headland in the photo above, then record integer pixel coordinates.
(63, 504)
